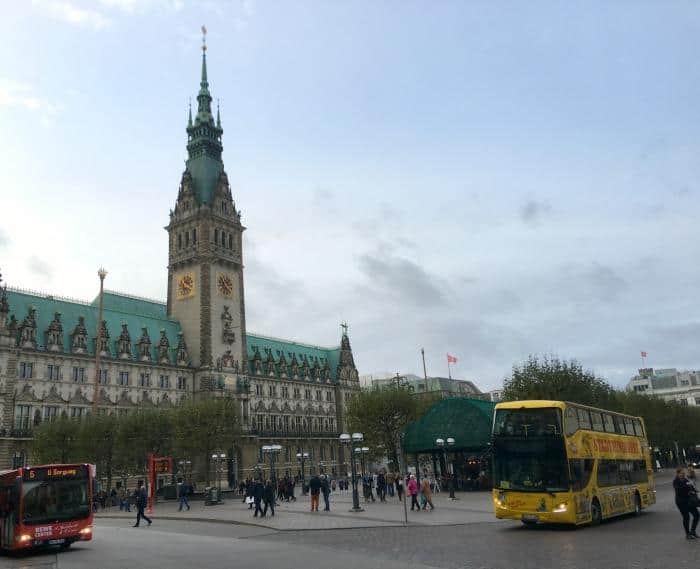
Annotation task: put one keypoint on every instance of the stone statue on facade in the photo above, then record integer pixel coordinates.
(227, 333)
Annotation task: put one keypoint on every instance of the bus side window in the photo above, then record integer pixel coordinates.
(625, 471)
(619, 425)
(581, 470)
(628, 426)
(571, 422)
(608, 422)
(638, 428)
(597, 421)
(584, 419)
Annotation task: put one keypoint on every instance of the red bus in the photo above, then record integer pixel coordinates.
(46, 505)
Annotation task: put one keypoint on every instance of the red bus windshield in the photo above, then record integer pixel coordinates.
(53, 494)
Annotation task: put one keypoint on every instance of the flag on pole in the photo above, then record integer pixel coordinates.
(644, 354)
(451, 359)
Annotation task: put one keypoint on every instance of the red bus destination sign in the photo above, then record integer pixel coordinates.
(46, 473)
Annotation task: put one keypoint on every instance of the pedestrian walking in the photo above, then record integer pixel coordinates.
(390, 480)
(269, 499)
(381, 486)
(141, 499)
(315, 488)
(413, 491)
(326, 491)
(182, 493)
(258, 492)
(399, 487)
(686, 502)
(427, 494)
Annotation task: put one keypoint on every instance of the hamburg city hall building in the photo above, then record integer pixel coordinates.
(155, 355)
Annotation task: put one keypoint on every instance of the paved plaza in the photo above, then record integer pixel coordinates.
(457, 535)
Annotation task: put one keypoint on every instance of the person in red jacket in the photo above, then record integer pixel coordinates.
(413, 491)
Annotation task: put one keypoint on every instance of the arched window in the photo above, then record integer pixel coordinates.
(216, 236)
(230, 241)
(179, 240)
(194, 236)
(187, 238)
(223, 238)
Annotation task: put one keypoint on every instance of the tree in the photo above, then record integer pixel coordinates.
(57, 441)
(552, 378)
(381, 414)
(206, 427)
(97, 443)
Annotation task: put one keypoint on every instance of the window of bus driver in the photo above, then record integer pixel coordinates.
(49, 500)
(529, 451)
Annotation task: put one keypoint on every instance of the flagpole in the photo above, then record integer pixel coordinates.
(449, 370)
(425, 373)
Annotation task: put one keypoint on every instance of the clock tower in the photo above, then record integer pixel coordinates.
(205, 258)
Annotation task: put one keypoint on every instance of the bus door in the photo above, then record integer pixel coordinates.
(9, 507)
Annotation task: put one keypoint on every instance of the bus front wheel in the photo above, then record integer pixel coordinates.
(596, 513)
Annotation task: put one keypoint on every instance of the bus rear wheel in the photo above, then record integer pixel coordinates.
(596, 513)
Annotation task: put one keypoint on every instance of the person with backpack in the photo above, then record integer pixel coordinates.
(141, 499)
(686, 502)
(269, 499)
(315, 488)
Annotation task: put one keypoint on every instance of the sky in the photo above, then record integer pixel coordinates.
(485, 179)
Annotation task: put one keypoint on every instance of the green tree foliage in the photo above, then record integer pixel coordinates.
(204, 428)
(382, 413)
(58, 441)
(119, 445)
(552, 378)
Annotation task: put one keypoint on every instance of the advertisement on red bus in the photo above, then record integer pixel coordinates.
(48, 505)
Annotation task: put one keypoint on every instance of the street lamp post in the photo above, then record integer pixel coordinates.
(348, 440)
(218, 458)
(98, 349)
(302, 457)
(442, 444)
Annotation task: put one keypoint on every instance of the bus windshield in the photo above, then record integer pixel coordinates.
(55, 500)
(533, 465)
(528, 422)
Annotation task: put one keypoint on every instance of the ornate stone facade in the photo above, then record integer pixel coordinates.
(196, 344)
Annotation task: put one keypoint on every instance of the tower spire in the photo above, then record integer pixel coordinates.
(204, 164)
(218, 115)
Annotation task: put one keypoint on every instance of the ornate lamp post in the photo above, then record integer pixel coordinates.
(348, 440)
(218, 458)
(450, 467)
(185, 467)
(302, 457)
(272, 450)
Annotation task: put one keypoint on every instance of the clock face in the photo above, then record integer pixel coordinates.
(224, 284)
(185, 286)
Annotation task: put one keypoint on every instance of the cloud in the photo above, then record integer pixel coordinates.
(131, 6)
(39, 267)
(18, 94)
(532, 211)
(401, 279)
(4, 239)
(70, 13)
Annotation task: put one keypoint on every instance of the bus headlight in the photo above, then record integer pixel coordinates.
(86, 531)
(24, 538)
(560, 508)
(501, 498)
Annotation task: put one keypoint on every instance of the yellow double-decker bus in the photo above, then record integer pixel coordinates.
(558, 462)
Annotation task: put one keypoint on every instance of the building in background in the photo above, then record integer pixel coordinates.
(669, 384)
(157, 354)
(444, 386)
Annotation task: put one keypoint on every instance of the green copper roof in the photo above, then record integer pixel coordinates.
(468, 421)
(119, 309)
(289, 348)
(204, 147)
